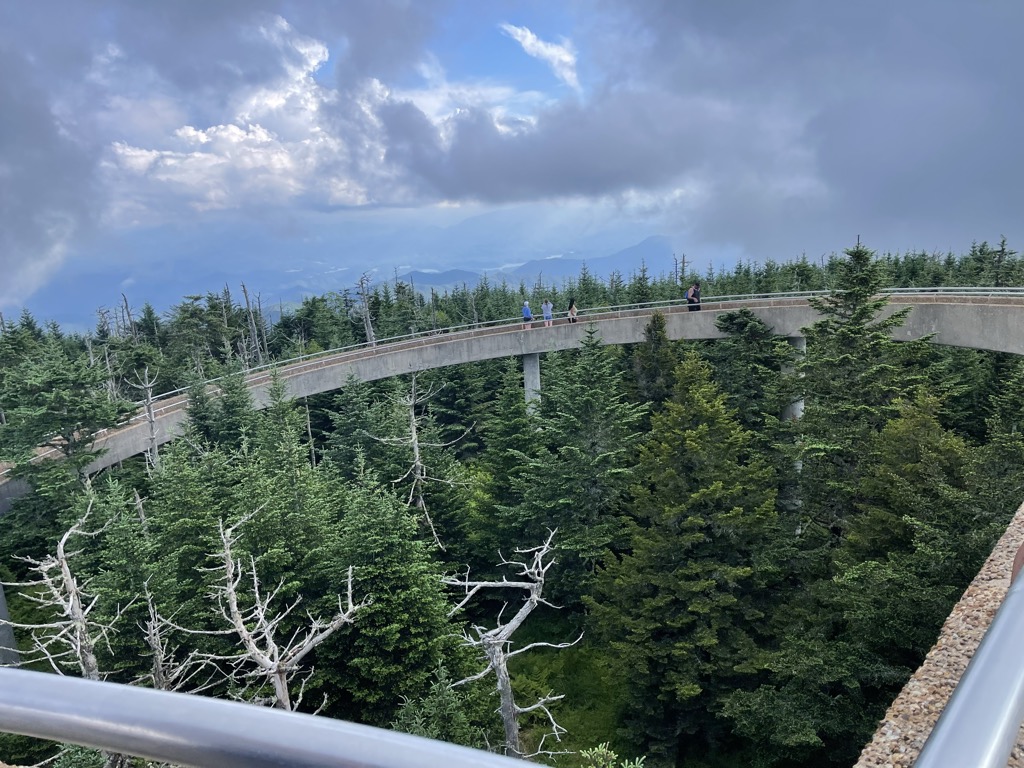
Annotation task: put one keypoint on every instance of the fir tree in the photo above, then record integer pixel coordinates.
(586, 436)
(654, 363)
(680, 606)
(855, 372)
(388, 654)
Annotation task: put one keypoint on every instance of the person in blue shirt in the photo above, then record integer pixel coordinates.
(527, 315)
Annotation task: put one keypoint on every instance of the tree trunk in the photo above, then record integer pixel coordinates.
(8, 646)
(281, 690)
(509, 716)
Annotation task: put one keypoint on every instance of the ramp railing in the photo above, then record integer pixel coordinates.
(210, 733)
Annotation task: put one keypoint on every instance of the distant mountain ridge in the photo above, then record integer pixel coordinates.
(654, 252)
(72, 297)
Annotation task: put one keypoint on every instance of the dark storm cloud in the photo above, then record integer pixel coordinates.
(626, 140)
(776, 127)
(911, 111)
(45, 194)
(804, 122)
(199, 44)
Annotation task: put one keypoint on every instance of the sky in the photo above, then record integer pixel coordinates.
(186, 142)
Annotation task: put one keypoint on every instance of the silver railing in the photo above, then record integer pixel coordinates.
(979, 726)
(166, 400)
(210, 733)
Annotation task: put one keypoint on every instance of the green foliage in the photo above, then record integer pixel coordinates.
(73, 756)
(854, 374)
(741, 608)
(24, 750)
(56, 400)
(750, 366)
(222, 414)
(680, 606)
(444, 713)
(602, 757)
(586, 435)
(654, 364)
(388, 654)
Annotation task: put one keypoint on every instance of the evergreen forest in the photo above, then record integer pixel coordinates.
(650, 565)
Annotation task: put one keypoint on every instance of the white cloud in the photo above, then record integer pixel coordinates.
(271, 149)
(442, 100)
(561, 58)
(290, 137)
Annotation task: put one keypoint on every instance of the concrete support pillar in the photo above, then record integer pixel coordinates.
(11, 491)
(531, 376)
(795, 410)
(8, 646)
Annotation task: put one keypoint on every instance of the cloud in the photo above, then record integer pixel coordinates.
(271, 152)
(768, 129)
(900, 122)
(561, 58)
(46, 195)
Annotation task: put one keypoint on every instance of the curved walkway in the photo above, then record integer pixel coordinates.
(982, 318)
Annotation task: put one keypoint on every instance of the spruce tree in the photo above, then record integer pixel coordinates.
(653, 363)
(586, 436)
(400, 637)
(854, 374)
(681, 605)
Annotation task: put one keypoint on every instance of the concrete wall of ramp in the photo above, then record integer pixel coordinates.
(964, 320)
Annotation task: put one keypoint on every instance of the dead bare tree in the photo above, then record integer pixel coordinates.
(263, 327)
(146, 385)
(418, 470)
(263, 658)
(129, 320)
(495, 643)
(364, 308)
(254, 331)
(9, 656)
(167, 672)
(71, 638)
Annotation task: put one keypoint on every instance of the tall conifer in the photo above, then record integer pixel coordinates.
(680, 606)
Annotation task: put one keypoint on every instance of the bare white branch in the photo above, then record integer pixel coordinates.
(276, 663)
(495, 643)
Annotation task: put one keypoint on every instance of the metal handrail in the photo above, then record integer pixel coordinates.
(980, 723)
(167, 400)
(512, 321)
(210, 733)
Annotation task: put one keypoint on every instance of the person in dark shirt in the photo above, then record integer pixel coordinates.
(693, 297)
(571, 314)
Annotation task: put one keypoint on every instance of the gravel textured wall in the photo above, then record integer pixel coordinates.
(911, 717)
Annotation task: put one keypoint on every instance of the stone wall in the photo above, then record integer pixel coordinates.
(910, 719)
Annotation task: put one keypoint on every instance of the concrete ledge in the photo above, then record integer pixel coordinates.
(903, 731)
